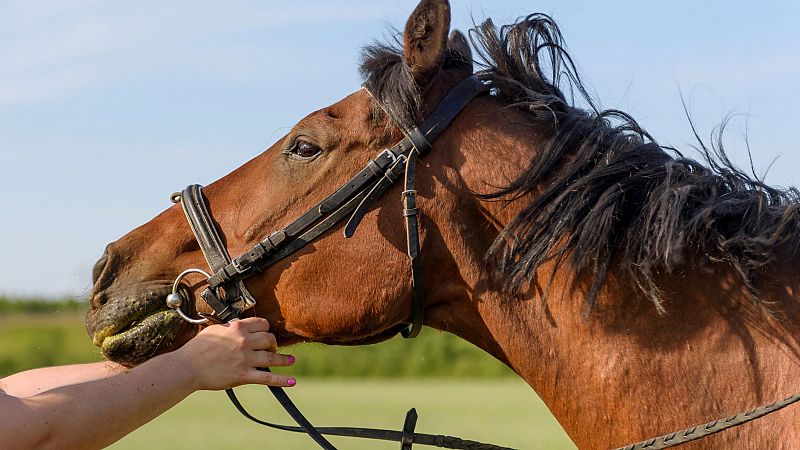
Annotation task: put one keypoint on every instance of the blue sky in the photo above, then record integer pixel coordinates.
(107, 107)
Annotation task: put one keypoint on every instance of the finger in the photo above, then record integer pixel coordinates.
(263, 341)
(268, 359)
(271, 379)
(254, 324)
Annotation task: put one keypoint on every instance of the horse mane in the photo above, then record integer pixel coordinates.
(606, 194)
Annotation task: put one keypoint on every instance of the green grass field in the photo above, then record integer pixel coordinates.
(457, 390)
(29, 341)
(503, 412)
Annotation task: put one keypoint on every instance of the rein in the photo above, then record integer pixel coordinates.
(715, 426)
(227, 295)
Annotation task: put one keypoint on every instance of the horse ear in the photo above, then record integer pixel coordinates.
(458, 51)
(425, 39)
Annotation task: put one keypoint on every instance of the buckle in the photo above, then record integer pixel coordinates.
(388, 152)
(238, 267)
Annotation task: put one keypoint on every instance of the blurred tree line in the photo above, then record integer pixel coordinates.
(10, 306)
(42, 332)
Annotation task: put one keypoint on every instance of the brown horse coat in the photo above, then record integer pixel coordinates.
(636, 291)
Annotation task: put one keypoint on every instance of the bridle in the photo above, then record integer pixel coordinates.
(226, 292)
(227, 295)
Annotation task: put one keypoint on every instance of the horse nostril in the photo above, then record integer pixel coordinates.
(97, 301)
(97, 270)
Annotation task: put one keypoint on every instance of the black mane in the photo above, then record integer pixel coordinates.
(618, 198)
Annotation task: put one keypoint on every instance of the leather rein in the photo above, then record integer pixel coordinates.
(228, 296)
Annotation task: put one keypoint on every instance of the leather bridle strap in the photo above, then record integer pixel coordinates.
(228, 296)
(411, 215)
(216, 255)
(236, 297)
(355, 198)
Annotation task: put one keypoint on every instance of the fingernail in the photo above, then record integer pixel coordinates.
(291, 359)
(291, 382)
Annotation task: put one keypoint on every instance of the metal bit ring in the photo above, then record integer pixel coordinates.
(175, 299)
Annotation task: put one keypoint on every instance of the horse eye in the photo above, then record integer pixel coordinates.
(305, 149)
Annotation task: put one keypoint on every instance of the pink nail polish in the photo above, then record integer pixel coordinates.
(291, 359)
(291, 382)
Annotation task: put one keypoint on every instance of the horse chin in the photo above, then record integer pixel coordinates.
(376, 338)
(130, 329)
(143, 339)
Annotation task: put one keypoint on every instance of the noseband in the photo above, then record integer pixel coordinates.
(228, 296)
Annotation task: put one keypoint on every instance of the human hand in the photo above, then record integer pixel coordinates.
(225, 356)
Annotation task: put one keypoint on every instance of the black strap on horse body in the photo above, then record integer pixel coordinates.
(204, 230)
(411, 214)
(228, 296)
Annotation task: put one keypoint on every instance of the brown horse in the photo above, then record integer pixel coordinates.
(637, 291)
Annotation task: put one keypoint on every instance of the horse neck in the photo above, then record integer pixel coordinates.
(712, 355)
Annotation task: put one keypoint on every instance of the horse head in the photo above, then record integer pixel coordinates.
(563, 240)
(334, 290)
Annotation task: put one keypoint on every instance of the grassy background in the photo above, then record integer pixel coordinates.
(36, 340)
(457, 389)
(39, 333)
(498, 411)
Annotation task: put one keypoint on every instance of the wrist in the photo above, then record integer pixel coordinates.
(178, 365)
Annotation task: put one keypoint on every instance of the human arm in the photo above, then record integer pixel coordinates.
(36, 381)
(94, 414)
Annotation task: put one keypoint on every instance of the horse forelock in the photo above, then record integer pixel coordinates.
(608, 197)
